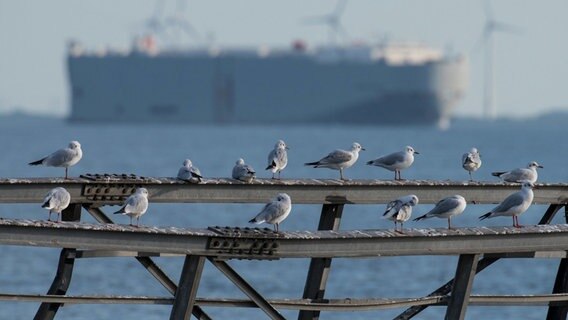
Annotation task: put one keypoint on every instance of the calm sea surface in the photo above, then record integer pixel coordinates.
(159, 150)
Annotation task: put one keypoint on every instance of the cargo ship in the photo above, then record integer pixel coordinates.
(383, 84)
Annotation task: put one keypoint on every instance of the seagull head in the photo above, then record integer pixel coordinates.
(474, 151)
(283, 197)
(187, 163)
(240, 162)
(534, 164)
(527, 185)
(413, 200)
(74, 145)
(356, 147)
(281, 145)
(142, 191)
(411, 150)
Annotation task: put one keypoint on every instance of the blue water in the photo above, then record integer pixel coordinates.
(159, 151)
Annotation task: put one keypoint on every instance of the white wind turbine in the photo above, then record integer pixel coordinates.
(333, 21)
(491, 27)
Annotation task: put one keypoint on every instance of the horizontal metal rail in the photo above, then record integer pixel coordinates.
(304, 244)
(304, 191)
(304, 304)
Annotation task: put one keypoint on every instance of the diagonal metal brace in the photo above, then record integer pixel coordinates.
(247, 289)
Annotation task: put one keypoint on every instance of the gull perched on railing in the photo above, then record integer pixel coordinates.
(513, 205)
(243, 172)
(63, 158)
(400, 210)
(471, 161)
(520, 174)
(278, 158)
(446, 209)
(189, 172)
(135, 205)
(339, 159)
(56, 200)
(396, 161)
(275, 211)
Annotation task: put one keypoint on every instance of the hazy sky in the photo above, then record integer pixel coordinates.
(531, 68)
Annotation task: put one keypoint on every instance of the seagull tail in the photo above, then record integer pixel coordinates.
(371, 162)
(196, 176)
(271, 166)
(36, 163)
(498, 174)
(315, 163)
(421, 217)
(485, 216)
(46, 204)
(121, 211)
(253, 220)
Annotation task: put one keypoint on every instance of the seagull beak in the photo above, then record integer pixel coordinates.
(539, 166)
(363, 149)
(287, 148)
(416, 152)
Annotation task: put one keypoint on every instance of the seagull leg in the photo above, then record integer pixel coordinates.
(66, 168)
(470, 177)
(278, 174)
(341, 174)
(130, 220)
(273, 175)
(59, 217)
(449, 223)
(49, 216)
(138, 221)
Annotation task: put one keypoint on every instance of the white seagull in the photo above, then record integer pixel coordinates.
(513, 205)
(278, 158)
(243, 172)
(275, 211)
(396, 161)
(339, 159)
(520, 174)
(471, 161)
(64, 158)
(446, 209)
(56, 200)
(135, 205)
(189, 172)
(400, 210)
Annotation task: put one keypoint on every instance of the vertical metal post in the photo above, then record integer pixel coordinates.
(463, 280)
(483, 263)
(319, 267)
(560, 285)
(62, 278)
(186, 292)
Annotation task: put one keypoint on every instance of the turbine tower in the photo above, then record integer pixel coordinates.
(333, 21)
(491, 27)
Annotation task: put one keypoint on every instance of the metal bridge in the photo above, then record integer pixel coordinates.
(477, 248)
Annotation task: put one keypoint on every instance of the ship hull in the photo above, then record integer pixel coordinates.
(249, 89)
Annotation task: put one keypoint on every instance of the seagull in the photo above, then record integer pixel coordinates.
(471, 161)
(339, 159)
(275, 211)
(446, 208)
(65, 157)
(188, 172)
(243, 172)
(135, 205)
(396, 161)
(56, 200)
(520, 174)
(400, 210)
(278, 158)
(513, 205)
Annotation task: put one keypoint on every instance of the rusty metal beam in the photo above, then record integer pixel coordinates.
(184, 301)
(461, 289)
(302, 191)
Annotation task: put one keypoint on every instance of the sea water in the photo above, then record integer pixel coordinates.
(159, 150)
